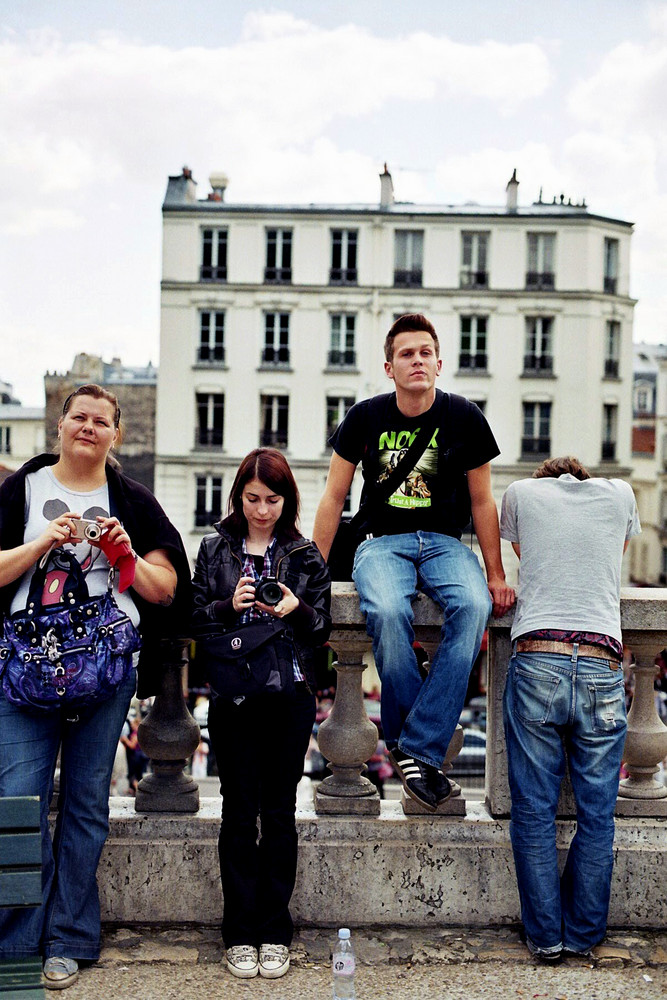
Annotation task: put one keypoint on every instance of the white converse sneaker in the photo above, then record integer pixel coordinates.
(273, 960)
(242, 961)
(59, 973)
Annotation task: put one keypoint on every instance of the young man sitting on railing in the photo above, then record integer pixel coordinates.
(412, 541)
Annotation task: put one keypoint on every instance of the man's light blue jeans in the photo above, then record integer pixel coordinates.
(556, 707)
(68, 922)
(421, 716)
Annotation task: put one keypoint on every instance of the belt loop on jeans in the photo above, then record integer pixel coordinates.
(575, 651)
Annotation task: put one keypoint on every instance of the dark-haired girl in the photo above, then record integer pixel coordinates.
(260, 742)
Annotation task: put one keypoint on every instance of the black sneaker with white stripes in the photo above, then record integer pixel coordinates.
(439, 785)
(415, 778)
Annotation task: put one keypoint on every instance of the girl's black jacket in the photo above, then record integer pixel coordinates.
(298, 564)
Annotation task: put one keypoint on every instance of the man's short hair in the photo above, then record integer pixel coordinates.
(409, 323)
(555, 467)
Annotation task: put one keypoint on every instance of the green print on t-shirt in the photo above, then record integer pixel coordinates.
(414, 491)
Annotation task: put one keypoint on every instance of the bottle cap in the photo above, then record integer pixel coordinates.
(344, 933)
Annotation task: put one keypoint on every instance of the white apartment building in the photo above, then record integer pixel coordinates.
(273, 319)
(21, 431)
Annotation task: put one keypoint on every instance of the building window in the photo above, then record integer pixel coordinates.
(337, 407)
(342, 353)
(276, 339)
(211, 348)
(208, 506)
(538, 359)
(540, 273)
(210, 419)
(278, 268)
(610, 265)
(609, 432)
(474, 248)
(536, 440)
(343, 257)
(643, 400)
(612, 348)
(473, 343)
(5, 440)
(409, 258)
(274, 416)
(214, 255)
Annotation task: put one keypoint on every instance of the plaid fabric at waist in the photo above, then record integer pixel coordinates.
(606, 642)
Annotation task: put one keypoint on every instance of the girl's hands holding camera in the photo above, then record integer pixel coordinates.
(244, 597)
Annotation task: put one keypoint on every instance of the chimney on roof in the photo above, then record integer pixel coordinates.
(181, 189)
(218, 184)
(386, 189)
(512, 193)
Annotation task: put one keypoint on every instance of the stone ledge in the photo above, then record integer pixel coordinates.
(391, 870)
(376, 946)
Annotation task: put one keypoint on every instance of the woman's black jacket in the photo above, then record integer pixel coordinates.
(298, 564)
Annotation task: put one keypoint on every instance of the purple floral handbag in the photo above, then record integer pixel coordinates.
(74, 653)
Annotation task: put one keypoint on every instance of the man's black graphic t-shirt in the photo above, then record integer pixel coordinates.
(434, 495)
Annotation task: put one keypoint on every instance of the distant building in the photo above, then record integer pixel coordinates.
(136, 391)
(273, 320)
(648, 551)
(21, 431)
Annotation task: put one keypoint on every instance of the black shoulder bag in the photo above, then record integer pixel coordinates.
(246, 659)
(352, 531)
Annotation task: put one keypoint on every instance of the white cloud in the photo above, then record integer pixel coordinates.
(627, 91)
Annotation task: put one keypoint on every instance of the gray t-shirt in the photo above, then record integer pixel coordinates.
(46, 499)
(571, 534)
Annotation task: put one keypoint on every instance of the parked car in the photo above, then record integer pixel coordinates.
(471, 762)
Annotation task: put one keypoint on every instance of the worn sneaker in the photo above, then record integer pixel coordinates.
(242, 961)
(414, 776)
(59, 973)
(273, 960)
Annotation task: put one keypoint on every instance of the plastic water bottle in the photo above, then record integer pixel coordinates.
(343, 967)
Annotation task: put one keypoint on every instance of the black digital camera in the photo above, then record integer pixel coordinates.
(268, 591)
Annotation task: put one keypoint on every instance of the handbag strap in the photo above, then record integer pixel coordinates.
(75, 584)
(383, 488)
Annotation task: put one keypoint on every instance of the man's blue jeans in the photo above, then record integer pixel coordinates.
(421, 716)
(68, 922)
(557, 707)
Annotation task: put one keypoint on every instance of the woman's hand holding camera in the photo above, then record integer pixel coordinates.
(62, 529)
(244, 595)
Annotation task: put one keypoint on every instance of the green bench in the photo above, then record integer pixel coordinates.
(20, 885)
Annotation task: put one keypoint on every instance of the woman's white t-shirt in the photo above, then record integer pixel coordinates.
(45, 499)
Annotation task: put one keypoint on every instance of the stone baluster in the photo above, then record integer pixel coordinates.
(169, 735)
(641, 793)
(347, 738)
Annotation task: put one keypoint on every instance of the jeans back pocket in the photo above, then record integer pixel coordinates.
(534, 693)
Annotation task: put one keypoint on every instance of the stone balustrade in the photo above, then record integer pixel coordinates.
(348, 738)
(362, 862)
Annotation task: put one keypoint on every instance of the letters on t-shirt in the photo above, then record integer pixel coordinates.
(414, 491)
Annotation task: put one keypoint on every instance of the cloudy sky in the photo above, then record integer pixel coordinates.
(301, 100)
